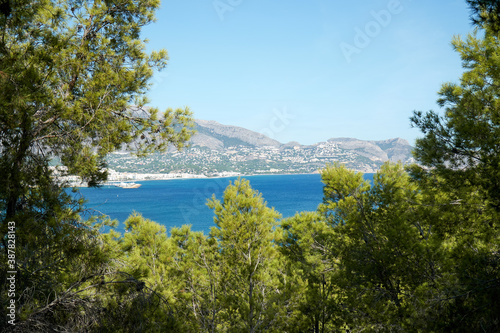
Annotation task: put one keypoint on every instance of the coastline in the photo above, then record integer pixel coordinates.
(115, 176)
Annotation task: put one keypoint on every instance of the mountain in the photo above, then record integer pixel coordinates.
(218, 149)
(393, 150)
(216, 136)
(397, 149)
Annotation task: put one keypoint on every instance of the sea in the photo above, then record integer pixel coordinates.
(177, 202)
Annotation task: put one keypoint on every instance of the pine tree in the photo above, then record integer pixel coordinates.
(73, 75)
(249, 259)
(460, 150)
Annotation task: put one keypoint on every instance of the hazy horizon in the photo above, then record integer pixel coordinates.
(308, 71)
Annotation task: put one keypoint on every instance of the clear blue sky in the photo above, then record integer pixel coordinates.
(308, 70)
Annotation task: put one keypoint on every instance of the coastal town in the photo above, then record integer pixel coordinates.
(218, 150)
(242, 160)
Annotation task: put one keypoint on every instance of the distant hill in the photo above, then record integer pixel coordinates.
(218, 149)
(216, 136)
(388, 150)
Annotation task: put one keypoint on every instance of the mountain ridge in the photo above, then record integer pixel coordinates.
(218, 149)
(228, 135)
(216, 136)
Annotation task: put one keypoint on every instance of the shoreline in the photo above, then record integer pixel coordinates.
(144, 177)
(229, 176)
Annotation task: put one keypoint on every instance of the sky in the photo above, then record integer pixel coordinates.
(308, 71)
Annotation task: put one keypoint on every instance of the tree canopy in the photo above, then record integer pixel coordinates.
(73, 79)
(485, 12)
(73, 87)
(416, 249)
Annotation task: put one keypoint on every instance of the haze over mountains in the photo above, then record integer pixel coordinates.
(216, 136)
(218, 149)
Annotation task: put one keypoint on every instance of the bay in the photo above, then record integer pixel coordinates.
(177, 202)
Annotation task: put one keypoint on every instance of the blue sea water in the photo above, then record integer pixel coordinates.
(176, 202)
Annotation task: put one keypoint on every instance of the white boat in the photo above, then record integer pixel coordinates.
(128, 185)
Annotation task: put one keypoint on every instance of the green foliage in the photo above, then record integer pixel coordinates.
(415, 250)
(195, 274)
(462, 181)
(73, 75)
(380, 252)
(53, 258)
(143, 255)
(463, 145)
(147, 251)
(485, 12)
(310, 255)
(251, 272)
(73, 86)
